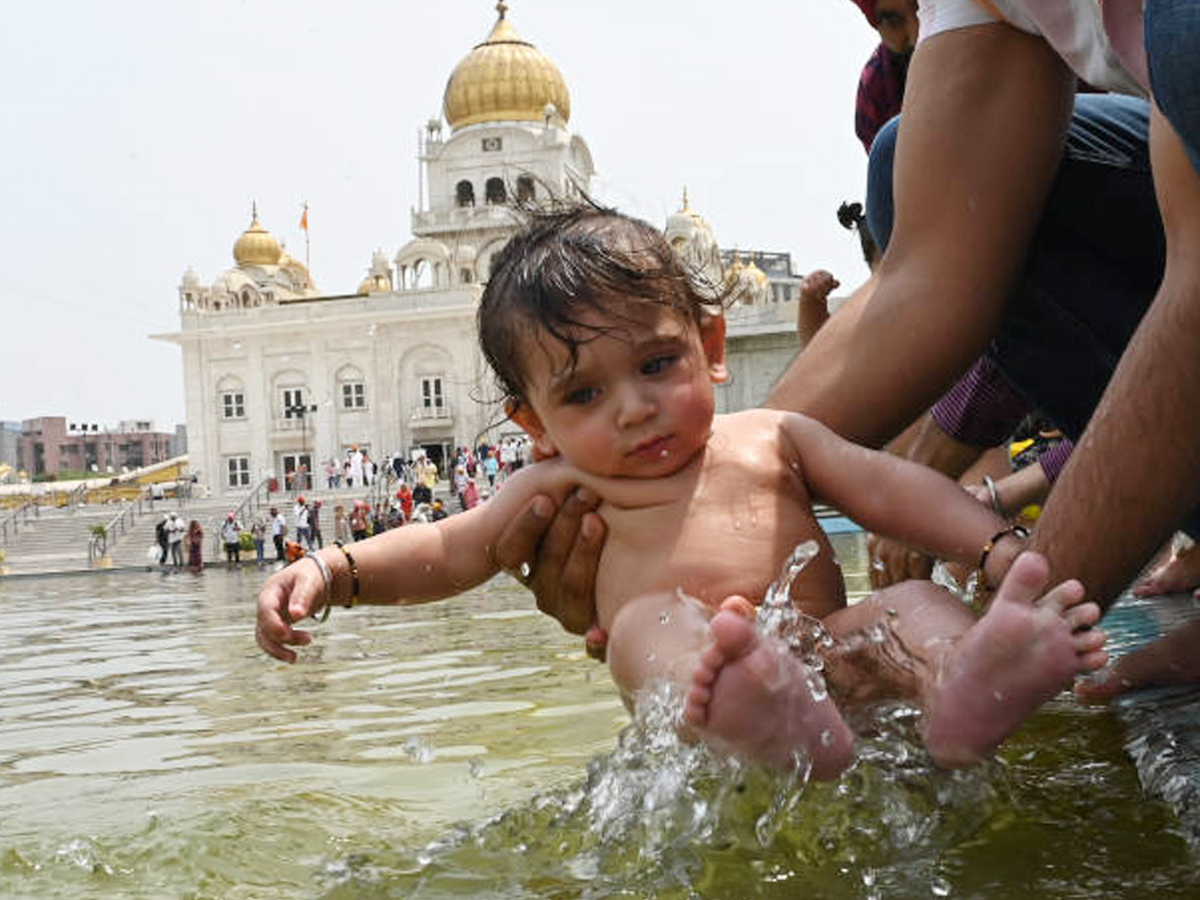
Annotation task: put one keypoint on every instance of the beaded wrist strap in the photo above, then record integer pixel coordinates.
(354, 586)
(1016, 531)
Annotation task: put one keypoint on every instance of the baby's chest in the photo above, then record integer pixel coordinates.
(709, 551)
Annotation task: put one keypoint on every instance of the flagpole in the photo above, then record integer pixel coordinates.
(304, 225)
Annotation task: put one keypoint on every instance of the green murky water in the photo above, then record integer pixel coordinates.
(468, 749)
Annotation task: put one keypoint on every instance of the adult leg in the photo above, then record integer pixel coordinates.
(1140, 446)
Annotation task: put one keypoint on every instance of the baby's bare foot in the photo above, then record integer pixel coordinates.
(751, 697)
(1025, 650)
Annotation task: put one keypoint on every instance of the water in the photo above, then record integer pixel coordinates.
(148, 749)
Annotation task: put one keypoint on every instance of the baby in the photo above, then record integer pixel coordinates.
(608, 354)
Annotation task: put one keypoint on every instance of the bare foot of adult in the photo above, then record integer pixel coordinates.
(752, 697)
(1179, 573)
(1025, 649)
(1172, 659)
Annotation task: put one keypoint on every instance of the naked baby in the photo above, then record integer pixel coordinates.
(607, 354)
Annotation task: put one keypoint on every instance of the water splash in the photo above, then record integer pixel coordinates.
(778, 616)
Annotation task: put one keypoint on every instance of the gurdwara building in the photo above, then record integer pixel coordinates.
(279, 374)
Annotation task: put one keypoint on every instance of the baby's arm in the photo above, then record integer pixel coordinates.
(412, 564)
(890, 495)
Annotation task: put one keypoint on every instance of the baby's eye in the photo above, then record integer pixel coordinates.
(581, 396)
(659, 364)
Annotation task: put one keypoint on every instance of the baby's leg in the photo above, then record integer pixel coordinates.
(745, 693)
(1025, 649)
(752, 696)
(977, 680)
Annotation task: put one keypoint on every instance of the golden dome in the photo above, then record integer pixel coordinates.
(257, 246)
(505, 79)
(373, 284)
(759, 276)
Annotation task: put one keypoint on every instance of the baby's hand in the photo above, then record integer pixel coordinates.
(291, 594)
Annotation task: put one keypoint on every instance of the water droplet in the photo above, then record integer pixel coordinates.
(664, 618)
(939, 887)
(650, 657)
(826, 738)
(999, 695)
(664, 454)
(525, 569)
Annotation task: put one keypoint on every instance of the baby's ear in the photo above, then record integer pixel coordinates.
(712, 337)
(523, 415)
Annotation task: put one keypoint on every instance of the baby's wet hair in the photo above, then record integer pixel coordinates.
(566, 262)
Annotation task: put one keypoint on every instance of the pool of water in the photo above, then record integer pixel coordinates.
(148, 749)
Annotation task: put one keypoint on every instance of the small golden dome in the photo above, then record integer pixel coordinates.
(759, 276)
(505, 79)
(373, 284)
(257, 246)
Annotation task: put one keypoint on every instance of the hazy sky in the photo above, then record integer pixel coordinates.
(137, 133)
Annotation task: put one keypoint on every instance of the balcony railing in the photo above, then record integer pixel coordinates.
(423, 414)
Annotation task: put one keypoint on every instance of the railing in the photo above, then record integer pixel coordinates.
(259, 496)
(104, 537)
(11, 524)
(422, 413)
(77, 497)
(380, 492)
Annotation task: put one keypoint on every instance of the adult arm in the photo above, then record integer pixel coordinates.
(969, 187)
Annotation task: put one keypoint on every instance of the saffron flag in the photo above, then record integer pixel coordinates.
(304, 219)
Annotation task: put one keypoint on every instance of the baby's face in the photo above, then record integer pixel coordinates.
(637, 404)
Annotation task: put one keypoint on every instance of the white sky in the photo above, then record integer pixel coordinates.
(137, 133)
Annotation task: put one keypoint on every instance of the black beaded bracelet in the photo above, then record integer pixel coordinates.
(1016, 531)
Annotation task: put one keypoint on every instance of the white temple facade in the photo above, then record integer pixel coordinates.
(279, 375)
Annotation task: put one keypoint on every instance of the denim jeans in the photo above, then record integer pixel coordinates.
(1172, 40)
(1094, 265)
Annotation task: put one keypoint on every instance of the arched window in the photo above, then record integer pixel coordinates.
(495, 190)
(525, 191)
(464, 193)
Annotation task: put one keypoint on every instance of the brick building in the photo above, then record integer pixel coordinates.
(50, 445)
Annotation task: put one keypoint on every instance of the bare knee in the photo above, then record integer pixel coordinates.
(656, 636)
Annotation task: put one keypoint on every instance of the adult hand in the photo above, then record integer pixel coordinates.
(893, 562)
(561, 550)
(290, 595)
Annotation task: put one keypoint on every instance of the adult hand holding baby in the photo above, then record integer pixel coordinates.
(562, 548)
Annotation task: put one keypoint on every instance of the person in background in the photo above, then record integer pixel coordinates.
(341, 527)
(258, 533)
(881, 85)
(278, 532)
(175, 535)
(315, 539)
(231, 537)
(195, 544)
